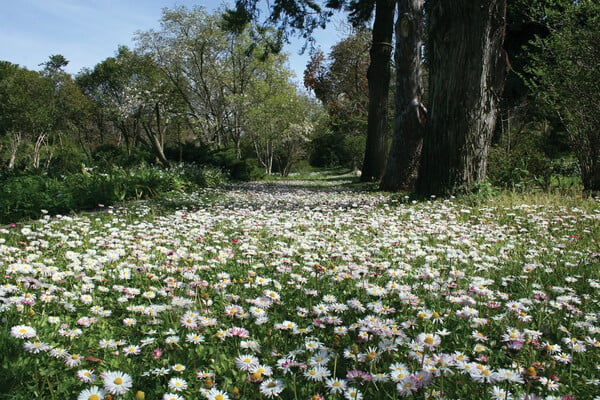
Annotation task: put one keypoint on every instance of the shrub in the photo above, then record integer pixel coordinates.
(25, 196)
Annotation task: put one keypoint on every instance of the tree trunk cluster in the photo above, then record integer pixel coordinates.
(444, 149)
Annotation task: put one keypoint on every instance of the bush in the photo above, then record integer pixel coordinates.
(106, 156)
(25, 196)
(337, 150)
(522, 164)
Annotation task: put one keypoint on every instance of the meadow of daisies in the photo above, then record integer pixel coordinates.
(263, 291)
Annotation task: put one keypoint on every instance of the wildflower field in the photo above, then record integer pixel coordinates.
(284, 290)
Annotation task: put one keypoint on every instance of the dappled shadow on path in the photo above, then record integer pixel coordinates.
(292, 195)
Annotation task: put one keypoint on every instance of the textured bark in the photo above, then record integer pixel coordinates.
(403, 161)
(467, 72)
(379, 83)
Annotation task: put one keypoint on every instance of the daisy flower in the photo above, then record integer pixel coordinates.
(72, 360)
(171, 396)
(353, 394)
(246, 362)
(93, 393)
(178, 367)
(86, 375)
(177, 384)
(271, 388)
(132, 350)
(335, 385)
(116, 382)
(215, 394)
(429, 340)
(22, 332)
(317, 373)
(406, 387)
(399, 372)
(500, 394)
(194, 338)
(35, 347)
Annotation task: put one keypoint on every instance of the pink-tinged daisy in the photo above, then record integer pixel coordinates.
(73, 360)
(406, 387)
(93, 393)
(22, 332)
(116, 382)
(86, 375)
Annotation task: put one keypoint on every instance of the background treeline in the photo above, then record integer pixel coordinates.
(198, 98)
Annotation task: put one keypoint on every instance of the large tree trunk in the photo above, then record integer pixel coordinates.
(379, 82)
(405, 153)
(467, 72)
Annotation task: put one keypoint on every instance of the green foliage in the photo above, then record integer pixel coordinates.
(30, 196)
(520, 162)
(333, 149)
(246, 169)
(107, 156)
(566, 78)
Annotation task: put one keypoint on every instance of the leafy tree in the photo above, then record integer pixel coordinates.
(566, 77)
(340, 83)
(211, 70)
(280, 122)
(39, 111)
(109, 85)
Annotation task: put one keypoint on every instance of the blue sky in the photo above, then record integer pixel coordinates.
(89, 31)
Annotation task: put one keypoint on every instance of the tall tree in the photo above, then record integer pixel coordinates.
(109, 85)
(405, 153)
(340, 83)
(467, 65)
(379, 84)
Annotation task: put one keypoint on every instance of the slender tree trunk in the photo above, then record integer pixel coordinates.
(14, 147)
(405, 153)
(467, 72)
(379, 82)
(37, 148)
(157, 138)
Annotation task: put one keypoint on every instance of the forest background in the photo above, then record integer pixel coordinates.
(205, 98)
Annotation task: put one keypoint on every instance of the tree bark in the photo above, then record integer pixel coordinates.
(378, 75)
(14, 148)
(157, 137)
(467, 73)
(403, 161)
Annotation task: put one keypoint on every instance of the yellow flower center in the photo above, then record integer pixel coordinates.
(94, 397)
(429, 340)
(219, 397)
(118, 381)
